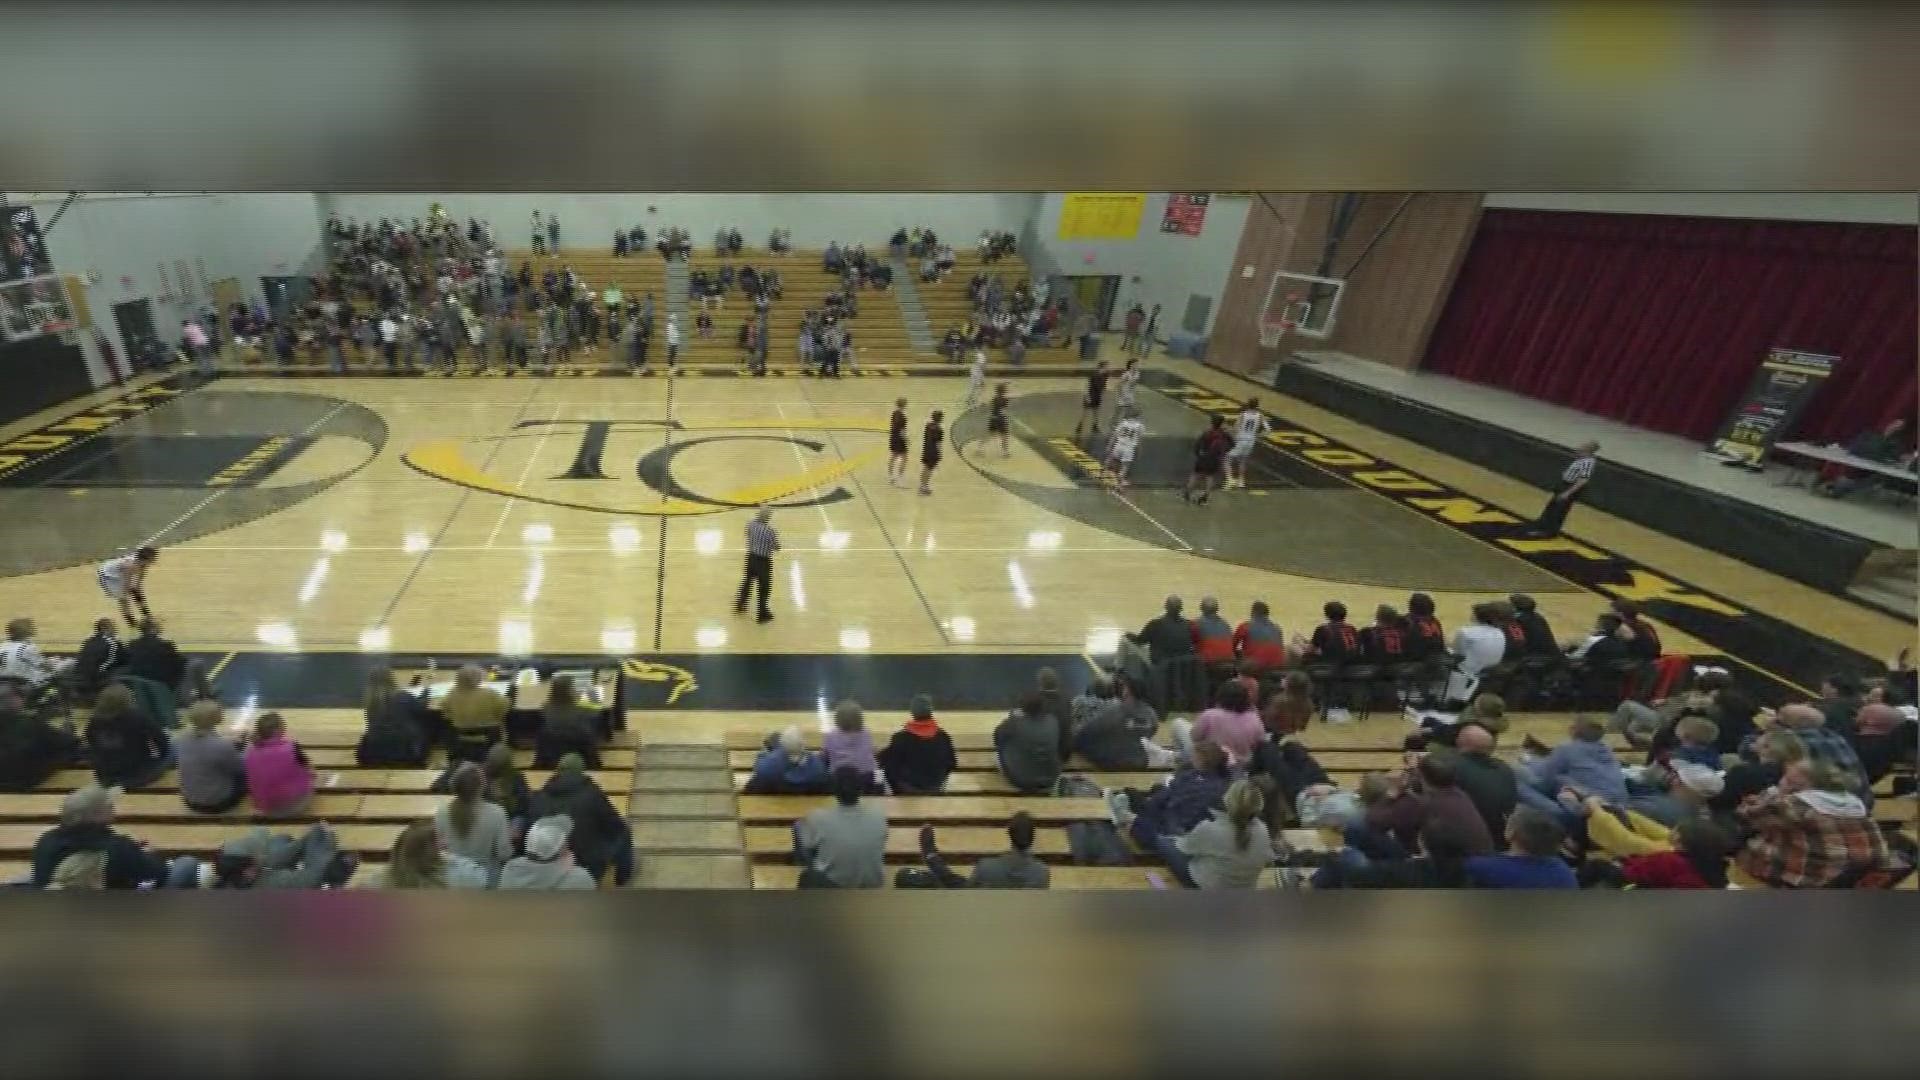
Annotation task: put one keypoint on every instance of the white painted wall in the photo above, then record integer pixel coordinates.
(1171, 267)
(130, 235)
(588, 220)
(1896, 208)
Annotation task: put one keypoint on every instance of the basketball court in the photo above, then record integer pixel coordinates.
(332, 519)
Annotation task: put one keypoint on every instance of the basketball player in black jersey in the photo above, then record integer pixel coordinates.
(930, 439)
(1090, 405)
(997, 419)
(897, 443)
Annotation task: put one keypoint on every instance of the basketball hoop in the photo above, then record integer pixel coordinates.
(1272, 330)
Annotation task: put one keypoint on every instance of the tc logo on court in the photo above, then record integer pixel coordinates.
(660, 468)
(676, 681)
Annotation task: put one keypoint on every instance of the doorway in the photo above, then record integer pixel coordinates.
(1096, 295)
(285, 295)
(134, 320)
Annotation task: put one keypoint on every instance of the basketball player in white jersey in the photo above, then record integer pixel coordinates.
(1123, 405)
(1126, 442)
(124, 579)
(1247, 429)
(976, 376)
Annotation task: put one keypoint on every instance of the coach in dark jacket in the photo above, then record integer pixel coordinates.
(154, 658)
(99, 657)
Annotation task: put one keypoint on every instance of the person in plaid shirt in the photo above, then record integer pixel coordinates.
(1809, 830)
(1823, 745)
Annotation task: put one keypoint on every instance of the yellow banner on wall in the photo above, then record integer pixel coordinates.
(1101, 215)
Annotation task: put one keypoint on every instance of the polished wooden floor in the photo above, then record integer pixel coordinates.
(386, 557)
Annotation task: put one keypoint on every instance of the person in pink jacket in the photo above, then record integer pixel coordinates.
(279, 778)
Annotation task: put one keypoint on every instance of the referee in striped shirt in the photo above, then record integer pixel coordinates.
(1572, 483)
(762, 542)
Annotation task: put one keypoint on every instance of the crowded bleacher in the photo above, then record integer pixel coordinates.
(1209, 754)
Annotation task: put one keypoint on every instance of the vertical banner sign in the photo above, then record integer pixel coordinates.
(1781, 388)
(23, 253)
(1101, 215)
(1186, 213)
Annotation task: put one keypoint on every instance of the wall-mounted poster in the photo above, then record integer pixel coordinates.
(1186, 213)
(1101, 215)
(23, 252)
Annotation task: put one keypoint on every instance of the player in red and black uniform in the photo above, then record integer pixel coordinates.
(997, 418)
(1426, 637)
(897, 443)
(930, 439)
(1387, 640)
(1090, 405)
(1209, 450)
(1515, 633)
(1335, 641)
(1646, 640)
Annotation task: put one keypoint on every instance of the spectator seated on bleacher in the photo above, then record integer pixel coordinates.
(258, 859)
(1429, 791)
(1809, 830)
(469, 825)
(785, 766)
(1689, 855)
(844, 845)
(780, 241)
(1290, 710)
(129, 748)
(879, 275)
(1532, 859)
(213, 772)
(1226, 850)
(1441, 863)
(416, 861)
(98, 660)
(567, 726)
(832, 261)
(1017, 869)
(506, 785)
(1286, 772)
(1027, 745)
(619, 244)
(602, 840)
(22, 662)
(157, 661)
(475, 715)
(280, 780)
(1479, 645)
(1232, 724)
(1553, 782)
(636, 240)
(850, 744)
(897, 244)
(943, 260)
(929, 270)
(1883, 735)
(86, 825)
(397, 723)
(1176, 806)
(31, 747)
(1823, 744)
(919, 757)
(1488, 781)
(548, 863)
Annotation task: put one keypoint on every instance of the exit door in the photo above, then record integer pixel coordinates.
(1096, 296)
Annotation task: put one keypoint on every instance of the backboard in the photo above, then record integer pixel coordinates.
(1308, 304)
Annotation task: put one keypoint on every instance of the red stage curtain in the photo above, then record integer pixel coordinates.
(1660, 321)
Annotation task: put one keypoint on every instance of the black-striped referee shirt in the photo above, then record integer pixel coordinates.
(1581, 468)
(761, 539)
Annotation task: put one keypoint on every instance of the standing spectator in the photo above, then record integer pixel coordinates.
(602, 840)
(539, 235)
(129, 748)
(198, 347)
(919, 757)
(762, 541)
(470, 826)
(553, 233)
(279, 777)
(213, 774)
(548, 864)
(673, 339)
(1135, 322)
(842, 846)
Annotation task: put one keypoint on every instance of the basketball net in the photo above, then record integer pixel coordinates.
(1271, 331)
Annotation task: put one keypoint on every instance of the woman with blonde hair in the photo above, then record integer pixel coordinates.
(279, 777)
(416, 862)
(1229, 849)
(470, 826)
(80, 870)
(213, 775)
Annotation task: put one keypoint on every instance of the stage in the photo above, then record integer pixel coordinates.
(1661, 481)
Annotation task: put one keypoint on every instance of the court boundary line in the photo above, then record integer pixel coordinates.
(660, 555)
(219, 491)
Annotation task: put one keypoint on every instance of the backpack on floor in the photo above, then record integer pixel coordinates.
(1076, 786)
(1097, 843)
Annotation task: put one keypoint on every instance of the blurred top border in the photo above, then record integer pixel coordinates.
(1174, 95)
